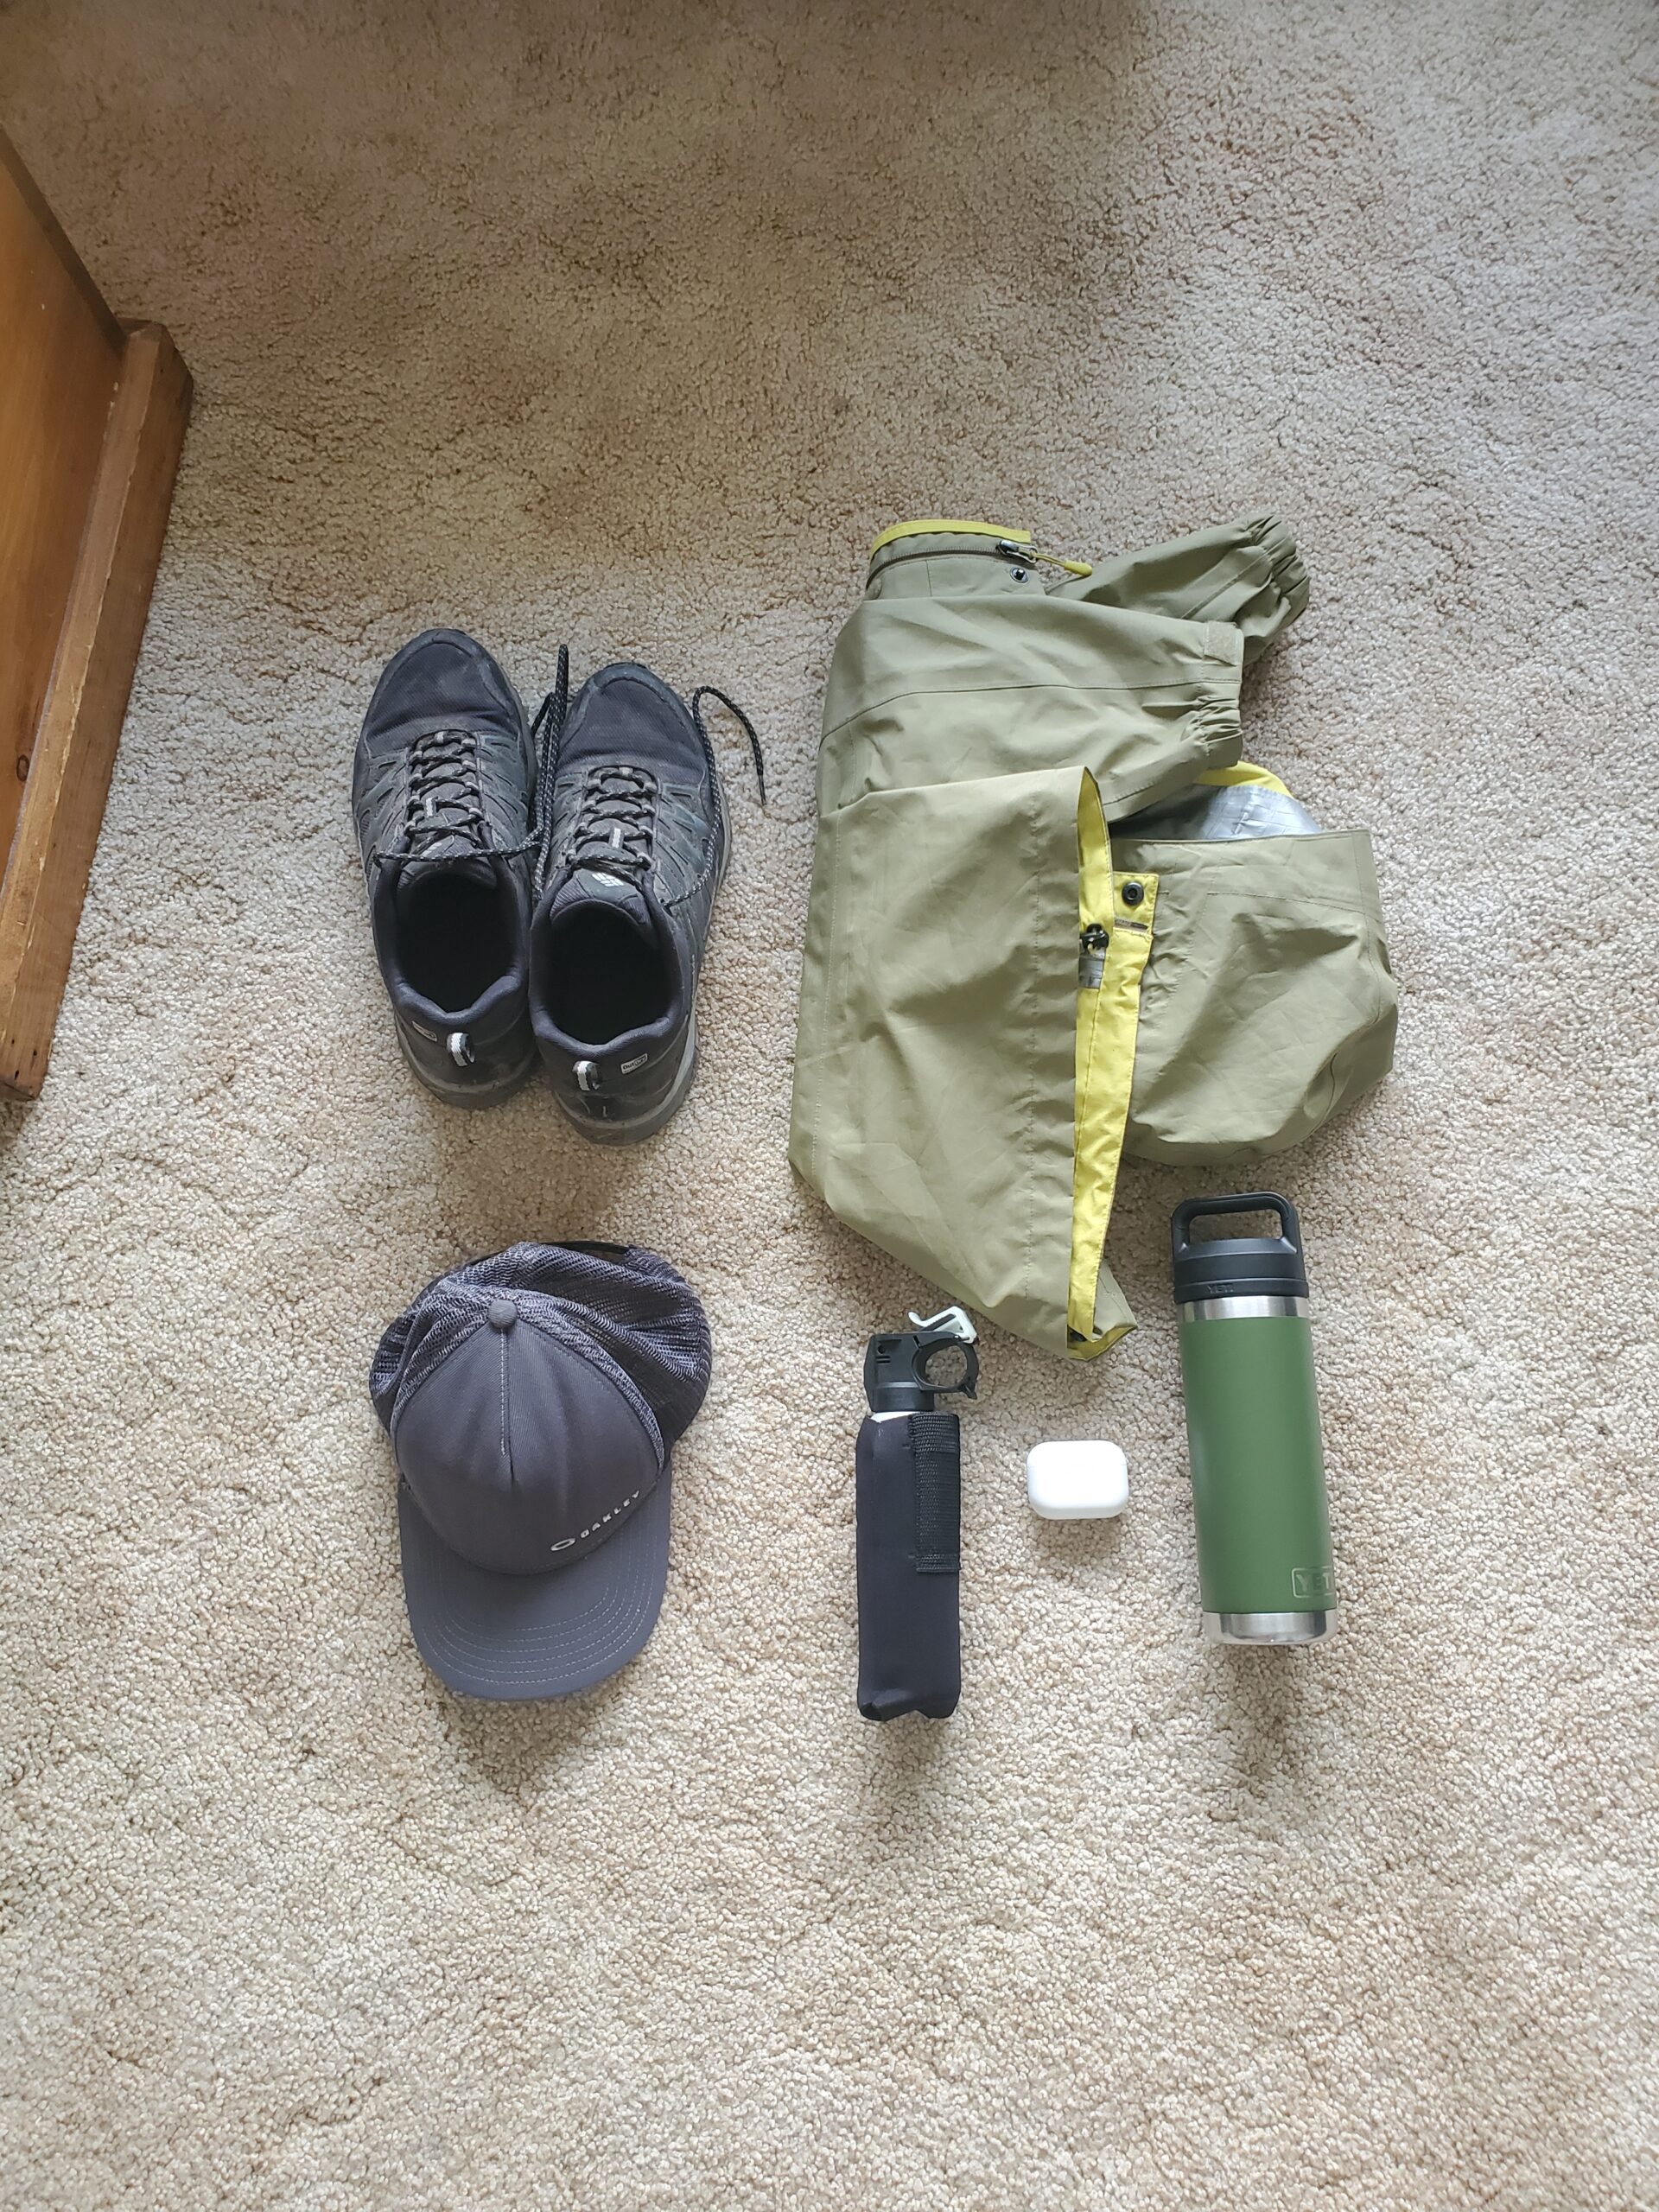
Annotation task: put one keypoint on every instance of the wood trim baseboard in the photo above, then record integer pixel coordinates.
(53, 236)
(73, 753)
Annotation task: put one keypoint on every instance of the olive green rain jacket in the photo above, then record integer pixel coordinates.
(1054, 918)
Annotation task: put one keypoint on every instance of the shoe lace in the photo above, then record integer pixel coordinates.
(545, 734)
(445, 797)
(617, 815)
(615, 820)
(713, 691)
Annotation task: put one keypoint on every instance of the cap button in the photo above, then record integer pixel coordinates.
(502, 1314)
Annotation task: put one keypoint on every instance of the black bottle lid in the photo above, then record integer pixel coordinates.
(1237, 1267)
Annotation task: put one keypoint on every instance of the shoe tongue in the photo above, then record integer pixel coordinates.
(587, 886)
(457, 856)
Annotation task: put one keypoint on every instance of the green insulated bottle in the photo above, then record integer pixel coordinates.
(1253, 1427)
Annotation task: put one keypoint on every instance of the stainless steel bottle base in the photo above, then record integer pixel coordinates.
(1267, 1628)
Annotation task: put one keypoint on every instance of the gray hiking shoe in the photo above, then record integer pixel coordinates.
(441, 795)
(634, 841)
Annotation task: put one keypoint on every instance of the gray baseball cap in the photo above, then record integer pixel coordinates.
(532, 1400)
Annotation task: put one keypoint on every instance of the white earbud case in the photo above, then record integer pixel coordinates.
(1076, 1482)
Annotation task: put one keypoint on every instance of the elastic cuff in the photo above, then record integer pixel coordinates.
(1272, 534)
(1221, 735)
(1209, 734)
(1215, 725)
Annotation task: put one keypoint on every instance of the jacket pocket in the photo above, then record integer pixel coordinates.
(1268, 1001)
(935, 1077)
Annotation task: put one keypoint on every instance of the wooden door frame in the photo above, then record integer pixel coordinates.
(118, 468)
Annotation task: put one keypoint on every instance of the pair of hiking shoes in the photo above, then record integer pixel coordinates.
(542, 891)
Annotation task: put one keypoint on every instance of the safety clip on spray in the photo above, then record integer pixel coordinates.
(909, 1517)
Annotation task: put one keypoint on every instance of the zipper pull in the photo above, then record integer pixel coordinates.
(1092, 945)
(1025, 555)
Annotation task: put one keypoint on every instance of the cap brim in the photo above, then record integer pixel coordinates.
(526, 1636)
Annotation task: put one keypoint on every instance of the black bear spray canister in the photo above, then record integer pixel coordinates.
(909, 1518)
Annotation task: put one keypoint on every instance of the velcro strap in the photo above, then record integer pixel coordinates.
(936, 1457)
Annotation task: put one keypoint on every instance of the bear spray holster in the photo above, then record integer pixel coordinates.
(909, 1517)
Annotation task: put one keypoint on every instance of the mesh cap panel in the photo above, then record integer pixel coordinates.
(628, 1301)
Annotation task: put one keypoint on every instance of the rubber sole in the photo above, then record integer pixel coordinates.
(599, 1132)
(473, 1097)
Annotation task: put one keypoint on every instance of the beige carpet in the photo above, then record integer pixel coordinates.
(631, 325)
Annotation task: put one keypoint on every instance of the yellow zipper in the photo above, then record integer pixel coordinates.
(1022, 550)
(1017, 541)
(958, 529)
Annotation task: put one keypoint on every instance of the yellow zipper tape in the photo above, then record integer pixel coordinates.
(961, 529)
(936, 524)
(1109, 1015)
